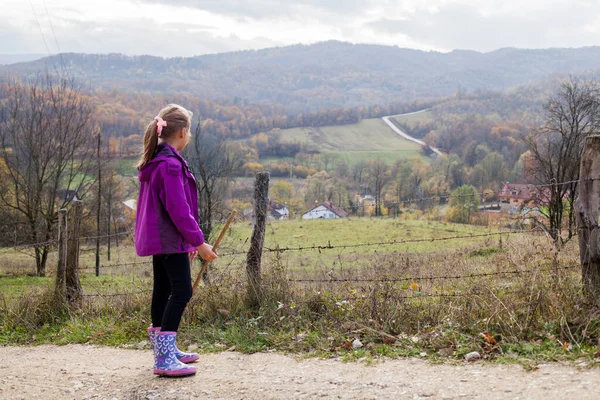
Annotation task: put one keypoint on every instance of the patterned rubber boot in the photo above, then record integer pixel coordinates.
(166, 362)
(152, 332)
(181, 356)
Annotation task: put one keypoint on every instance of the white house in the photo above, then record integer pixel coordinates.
(131, 204)
(325, 210)
(279, 213)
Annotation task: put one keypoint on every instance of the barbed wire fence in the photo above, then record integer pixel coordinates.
(233, 254)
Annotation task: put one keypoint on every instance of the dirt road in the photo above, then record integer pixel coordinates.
(89, 372)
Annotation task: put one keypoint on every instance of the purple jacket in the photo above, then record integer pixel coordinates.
(167, 208)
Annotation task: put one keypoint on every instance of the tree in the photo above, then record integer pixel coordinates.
(555, 148)
(46, 142)
(378, 175)
(318, 187)
(464, 203)
(214, 169)
(282, 191)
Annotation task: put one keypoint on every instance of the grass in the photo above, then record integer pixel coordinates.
(537, 315)
(369, 139)
(426, 116)
(367, 135)
(125, 166)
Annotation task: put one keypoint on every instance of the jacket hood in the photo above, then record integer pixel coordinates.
(163, 152)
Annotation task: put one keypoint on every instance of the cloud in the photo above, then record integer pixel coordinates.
(259, 9)
(457, 25)
(191, 27)
(141, 37)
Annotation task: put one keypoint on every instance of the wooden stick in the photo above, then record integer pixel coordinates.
(215, 246)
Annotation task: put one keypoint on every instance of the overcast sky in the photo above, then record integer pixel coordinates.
(192, 27)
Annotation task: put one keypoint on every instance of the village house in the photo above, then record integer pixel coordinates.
(325, 210)
(277, 211)
(67, 195)
(517, 195)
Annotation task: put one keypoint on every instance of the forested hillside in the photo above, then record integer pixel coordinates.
(324, 75)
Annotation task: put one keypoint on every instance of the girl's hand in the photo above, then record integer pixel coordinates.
(206, 252)
(193, 254)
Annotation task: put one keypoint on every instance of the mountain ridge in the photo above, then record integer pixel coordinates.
(323, 75)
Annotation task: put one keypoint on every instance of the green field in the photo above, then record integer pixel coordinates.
(425, 116)
(368, 139)
(295, 233)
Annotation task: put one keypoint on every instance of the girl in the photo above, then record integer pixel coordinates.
(167, 229)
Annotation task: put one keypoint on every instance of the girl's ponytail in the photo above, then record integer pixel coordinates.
(168, 122)
(150, 144)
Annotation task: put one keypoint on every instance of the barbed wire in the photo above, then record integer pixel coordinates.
(485, 194)
(434, 278)
(141, 291)
(420, 294)
(29, 245)
(101, 236)
(393, 242)
(128, 264)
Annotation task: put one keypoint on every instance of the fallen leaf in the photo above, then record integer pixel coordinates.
(488, 338)
(414, 286)
(347, 344)
(389, 340)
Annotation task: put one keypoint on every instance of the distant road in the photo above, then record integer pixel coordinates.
(404, 135)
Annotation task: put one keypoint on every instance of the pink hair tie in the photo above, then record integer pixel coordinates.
(160, 123)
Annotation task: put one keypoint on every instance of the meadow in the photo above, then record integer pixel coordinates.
(366, 140)
(511, 296)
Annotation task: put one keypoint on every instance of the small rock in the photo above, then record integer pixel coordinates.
(473, 356)
(357, 344)
(446, 352)
(144, 344)
(192, 347)
(300, 337)
(423, 354)
(151, 395)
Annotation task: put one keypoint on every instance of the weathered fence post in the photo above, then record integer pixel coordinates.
(261, 196)
(60, 289)
(586, 207)
(73, 284)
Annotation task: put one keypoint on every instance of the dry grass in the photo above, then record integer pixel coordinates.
(515, 296)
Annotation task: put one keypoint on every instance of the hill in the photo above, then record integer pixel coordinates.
(327, 74)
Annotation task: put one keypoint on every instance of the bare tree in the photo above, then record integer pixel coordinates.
(214, 168)
(379, 175)
(46, 132)
(556, 147)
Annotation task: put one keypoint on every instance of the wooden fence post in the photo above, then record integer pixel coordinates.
(253, 270)
(586, 207)
(72, 274)
(60, 290)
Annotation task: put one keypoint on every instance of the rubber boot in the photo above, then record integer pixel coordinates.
(181, 356)
(167, 363)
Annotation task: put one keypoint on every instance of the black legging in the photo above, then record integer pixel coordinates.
(172, 289)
